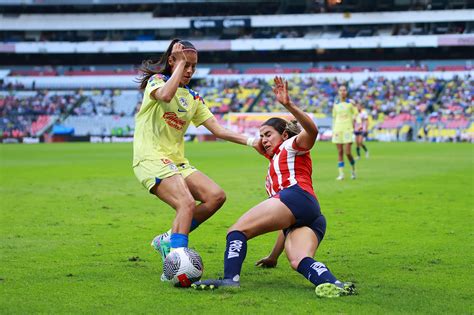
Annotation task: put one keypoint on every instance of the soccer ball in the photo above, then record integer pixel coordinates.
(182, 267)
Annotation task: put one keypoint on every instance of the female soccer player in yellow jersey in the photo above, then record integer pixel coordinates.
(343, 119)
(167, 109)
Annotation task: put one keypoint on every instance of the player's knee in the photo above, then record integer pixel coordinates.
(295, 262)
(216, 199)
(219, 197)
(237, 228)
(186, 206)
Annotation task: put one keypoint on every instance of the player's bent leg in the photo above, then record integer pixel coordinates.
(174, 192)
(299, 244)
(340, 161)
(205, 190)
(268, 216)
(348, 153)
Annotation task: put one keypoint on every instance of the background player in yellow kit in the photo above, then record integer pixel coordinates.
(167, 109)
(343, 114)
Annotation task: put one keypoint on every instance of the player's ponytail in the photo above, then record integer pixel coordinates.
(292, 128)
(151, 67)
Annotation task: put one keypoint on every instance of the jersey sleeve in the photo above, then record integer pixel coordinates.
(155, 82)
(202, 112)
(355, 112)
(291, 146)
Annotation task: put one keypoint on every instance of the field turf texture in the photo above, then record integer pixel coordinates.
(75, 229)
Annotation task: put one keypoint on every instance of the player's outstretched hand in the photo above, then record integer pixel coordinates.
(281, 91)
(178, 52)
(267, 262)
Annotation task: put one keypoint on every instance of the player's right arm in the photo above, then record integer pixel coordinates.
(168, 90)
(306, 138)
(271, 260)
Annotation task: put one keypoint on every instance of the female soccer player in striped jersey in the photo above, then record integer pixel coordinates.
(292, 206)
(343, 114)
(167, 109)
(361, 128)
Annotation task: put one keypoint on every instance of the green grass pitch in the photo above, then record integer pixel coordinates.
(75, 229)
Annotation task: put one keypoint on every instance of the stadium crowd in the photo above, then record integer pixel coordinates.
(25, 113)
(423, 103)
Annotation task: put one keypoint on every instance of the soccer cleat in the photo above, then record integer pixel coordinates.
(367, 154)
(332, 290)
(340, 177)
(162, 245)
(163, 278)
(357, 158)
(353, 175)
(214, 284)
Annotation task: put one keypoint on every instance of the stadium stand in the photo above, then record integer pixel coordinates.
(409, 65)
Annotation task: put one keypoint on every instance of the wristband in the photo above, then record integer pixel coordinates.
(250, 141)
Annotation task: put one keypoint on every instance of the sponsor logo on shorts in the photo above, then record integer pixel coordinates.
(166, 161)
(173, 167)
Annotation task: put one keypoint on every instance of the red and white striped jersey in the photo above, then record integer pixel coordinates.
(289, 166)
(361, 121)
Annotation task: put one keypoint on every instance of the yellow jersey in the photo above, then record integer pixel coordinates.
(343, 115)
(160, 126)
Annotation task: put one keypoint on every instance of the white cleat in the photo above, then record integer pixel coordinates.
(340, 177)
(353, 175)
(367, 154)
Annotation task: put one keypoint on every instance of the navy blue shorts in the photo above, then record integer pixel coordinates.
(361, 133)
(305, 208)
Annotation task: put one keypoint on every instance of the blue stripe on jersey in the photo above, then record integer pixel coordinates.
(195, 94)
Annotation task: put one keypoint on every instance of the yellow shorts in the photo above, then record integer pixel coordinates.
(343, 136)
(152, 172)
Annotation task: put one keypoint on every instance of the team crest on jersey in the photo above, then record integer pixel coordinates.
(183, 102)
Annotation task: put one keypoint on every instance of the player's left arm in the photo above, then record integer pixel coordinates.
(271, 260)
(354, 113)
(223, 133)
(365, 122)
(306, 138)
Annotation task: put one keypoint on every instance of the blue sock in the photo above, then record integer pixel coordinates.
(194, 225)
(315, 271)
(340, 164)
(235, 252)
(358, 151)
(179, 240)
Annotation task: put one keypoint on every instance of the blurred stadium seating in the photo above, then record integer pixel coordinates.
(70, 68)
